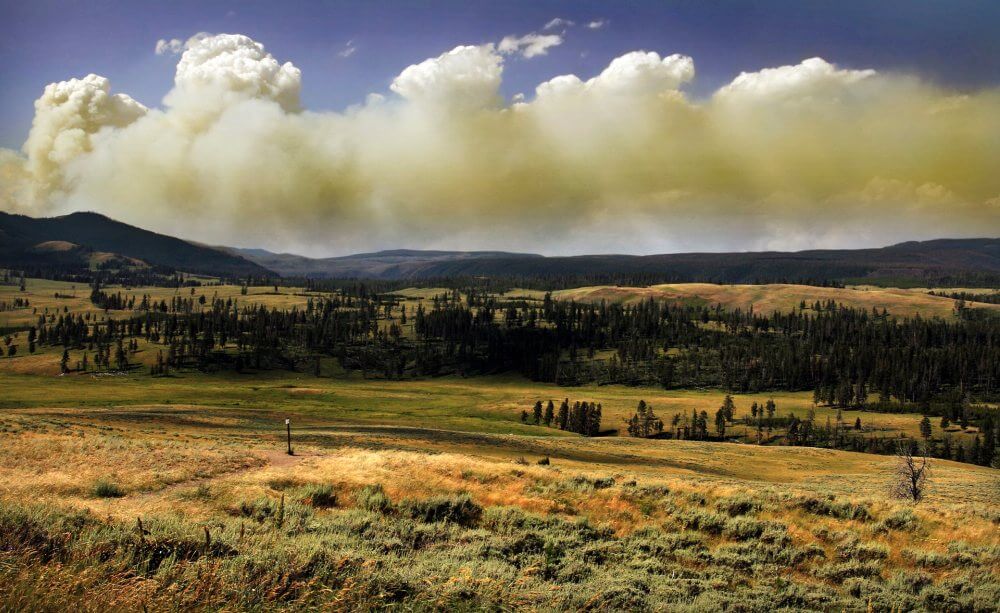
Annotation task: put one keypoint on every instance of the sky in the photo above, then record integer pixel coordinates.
(858, 123)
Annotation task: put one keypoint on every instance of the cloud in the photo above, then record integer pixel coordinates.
(172, 46)
(806, 155)
(633, 74)
(529, 45)
(812, 81)
(67, 116)
(597, 24)
(558, 22)
(466, 76)
(175, 46)
(215, 72)
(348, 50)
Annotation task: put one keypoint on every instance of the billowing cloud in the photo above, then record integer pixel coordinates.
(634, 74)
(597, 24)
(814, 81)
(233, 67)
(467, 77)
(67, 116)
(529, 45)
(791, 157)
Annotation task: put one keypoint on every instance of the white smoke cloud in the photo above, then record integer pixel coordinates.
(813, 81)
(529, 45)
(67, 116)
(466, 77)
(795, 156)
(233, 66)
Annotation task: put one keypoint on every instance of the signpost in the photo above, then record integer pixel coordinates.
(288, 428)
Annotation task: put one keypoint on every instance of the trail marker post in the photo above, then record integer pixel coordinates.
(288, 429)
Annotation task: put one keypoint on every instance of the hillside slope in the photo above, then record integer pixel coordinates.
(71, 240)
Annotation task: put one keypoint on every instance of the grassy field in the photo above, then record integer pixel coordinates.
(178, 493)
(777, 297)
(478, 404)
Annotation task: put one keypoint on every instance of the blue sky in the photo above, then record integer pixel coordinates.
(953, 43)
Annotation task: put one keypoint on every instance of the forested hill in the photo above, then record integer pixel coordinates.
(973, 262)
(72, 241)
(391, 264)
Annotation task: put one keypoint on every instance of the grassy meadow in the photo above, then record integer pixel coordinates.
(122, 491)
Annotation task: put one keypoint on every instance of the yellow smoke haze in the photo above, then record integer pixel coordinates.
(789, 157)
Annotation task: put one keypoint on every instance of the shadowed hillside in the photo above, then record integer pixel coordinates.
(71, 241)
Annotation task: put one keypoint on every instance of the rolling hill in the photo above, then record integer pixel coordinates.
(955, 261)
(776, 297)
(80, 240)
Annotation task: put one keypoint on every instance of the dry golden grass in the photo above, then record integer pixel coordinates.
(196, 467)
(775, 297)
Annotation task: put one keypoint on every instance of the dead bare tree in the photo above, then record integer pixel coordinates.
(911, 475)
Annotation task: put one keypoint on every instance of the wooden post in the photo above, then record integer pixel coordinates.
(288, 427)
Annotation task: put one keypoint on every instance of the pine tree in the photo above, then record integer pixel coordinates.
(536, 412)
(720, 421)
(549, 413)
(728, 408)
(925, 427)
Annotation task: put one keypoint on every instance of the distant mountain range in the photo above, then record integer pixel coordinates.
(391, 264)
(82, 240)
(935, 259)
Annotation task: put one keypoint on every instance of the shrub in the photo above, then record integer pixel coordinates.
(744, 529)
(926, 559)
(862, 551)
(456, 509)
(853, 568)
(740, 505)
(104, 488)
(585, 483)
(706, 521)
(544, 461)
(260, 509)
(900, 520)
(373, 498)
(319, 496)
(832, 508)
